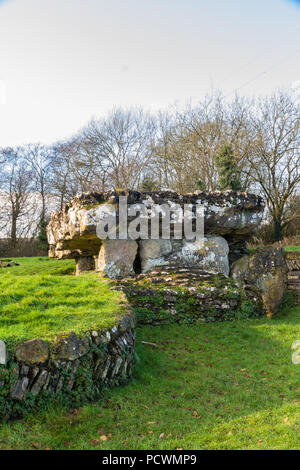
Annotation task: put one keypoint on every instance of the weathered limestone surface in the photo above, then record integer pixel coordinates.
(232, 215)
(74, 228)
(116, 258)
(208, 255)
(153, 253)
(267, 270)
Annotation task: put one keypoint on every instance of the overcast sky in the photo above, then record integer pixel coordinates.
(64, 61)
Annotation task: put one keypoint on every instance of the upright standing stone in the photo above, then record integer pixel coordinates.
(153, 253)
(209, 255)
(266, 270)
(3, 354)
(116, 258)
(84, 264)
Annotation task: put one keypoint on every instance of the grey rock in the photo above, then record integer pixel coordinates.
(103, 369)
(20, 388)
(116, 367)
(3, 353)
(84, 264)
(24, 370)
(60, 384)
(153, 253)
(104, 338)
(39, 383)
(266, 270)
(33, 373)
(70, 347)
(35, 351)
(116, 258)
(209, 255)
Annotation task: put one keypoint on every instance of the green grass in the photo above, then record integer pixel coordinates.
(292, 248)
(42, 297)
(285, 248)
(228, 385)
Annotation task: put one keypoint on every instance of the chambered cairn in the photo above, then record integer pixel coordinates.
(167, 276)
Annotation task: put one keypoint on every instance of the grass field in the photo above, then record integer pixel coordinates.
(228, 385)
(42, 297)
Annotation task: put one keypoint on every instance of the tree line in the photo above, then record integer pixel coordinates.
(248, 145)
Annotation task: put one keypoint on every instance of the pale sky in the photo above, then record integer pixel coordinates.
(63, 62)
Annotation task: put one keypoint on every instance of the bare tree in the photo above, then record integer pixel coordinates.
(120, 145)
(273, 165)
(39, 158)
(64, 184)
(17, 196)
(189, 140)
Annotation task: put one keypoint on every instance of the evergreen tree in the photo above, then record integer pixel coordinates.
(229, 175)
(42, 242)
(201, 186)
(148, 184)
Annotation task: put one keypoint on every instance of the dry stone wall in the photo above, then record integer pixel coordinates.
(293, 264)
(70, 369)
(187, 297)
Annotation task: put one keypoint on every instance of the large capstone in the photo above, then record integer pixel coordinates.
(266, 270)
(226, 213)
